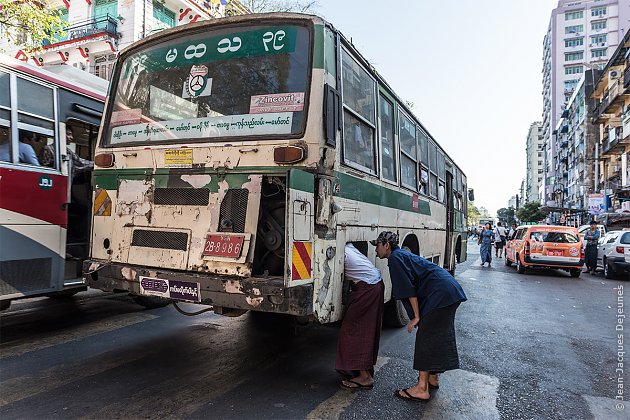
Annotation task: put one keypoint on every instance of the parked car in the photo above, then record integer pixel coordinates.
(613, 253)
(545, 246)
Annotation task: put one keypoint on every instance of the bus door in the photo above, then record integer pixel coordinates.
(449, 260)
(300, 236)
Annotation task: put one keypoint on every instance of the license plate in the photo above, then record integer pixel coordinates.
(170, 289)
(229, 246)
(553, 253)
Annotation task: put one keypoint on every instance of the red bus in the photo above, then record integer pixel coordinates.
(49, 120)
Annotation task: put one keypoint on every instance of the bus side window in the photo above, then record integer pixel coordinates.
(5, 144)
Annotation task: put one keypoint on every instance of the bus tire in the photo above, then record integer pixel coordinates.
(395, 315)
(151, 302)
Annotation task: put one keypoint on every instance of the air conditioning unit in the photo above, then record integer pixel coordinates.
(614, 74)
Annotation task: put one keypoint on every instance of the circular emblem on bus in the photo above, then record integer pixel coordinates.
(197, 80)
(574, 252)
(45, 182)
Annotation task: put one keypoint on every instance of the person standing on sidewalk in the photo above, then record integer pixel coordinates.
(591, 236)
(431, 297)
(360, 331)
(499, 240)
(485, 240)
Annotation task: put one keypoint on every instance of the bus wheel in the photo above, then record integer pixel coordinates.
(395, 314)
(151, 302)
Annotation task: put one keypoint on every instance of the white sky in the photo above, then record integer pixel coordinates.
(472, 70)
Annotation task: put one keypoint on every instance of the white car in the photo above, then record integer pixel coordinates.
(613, 254)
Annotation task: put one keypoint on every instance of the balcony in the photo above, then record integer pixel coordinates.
(106, 25)
(626, 78)
(611, 141)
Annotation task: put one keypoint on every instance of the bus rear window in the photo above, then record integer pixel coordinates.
(232, 82)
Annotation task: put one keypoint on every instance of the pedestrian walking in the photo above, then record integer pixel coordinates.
(591, 236)
(499, 240)
(431, 297)
(485, 240)
(360, 331)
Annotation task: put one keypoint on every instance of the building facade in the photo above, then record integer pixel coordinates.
(582, 34)
(97, 30)
(535, 159)
(611, 115)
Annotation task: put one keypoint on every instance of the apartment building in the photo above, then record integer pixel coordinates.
(582, 34)
(96, 30)
(611, 115)
(535, 159)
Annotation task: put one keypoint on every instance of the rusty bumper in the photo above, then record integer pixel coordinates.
(266, 294)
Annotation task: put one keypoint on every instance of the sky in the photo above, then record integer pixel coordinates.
(473, 70)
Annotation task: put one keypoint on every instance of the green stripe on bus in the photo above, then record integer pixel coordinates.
(318, 47)
(301, 180)
(357, 189)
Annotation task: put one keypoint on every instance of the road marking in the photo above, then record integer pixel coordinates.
(467, 395)
(607, 408)
(333, 407)
(27, 386)
(54, 338)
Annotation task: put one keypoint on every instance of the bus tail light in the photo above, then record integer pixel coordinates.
(527, 252)
(104, 160)
(289, 154)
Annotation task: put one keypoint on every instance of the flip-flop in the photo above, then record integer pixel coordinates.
(358, 385)
(409, 397)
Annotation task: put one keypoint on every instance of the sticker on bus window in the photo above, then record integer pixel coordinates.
(125, 117)
(208, 127)
(276, 102)
(178, 158)
(197, 84)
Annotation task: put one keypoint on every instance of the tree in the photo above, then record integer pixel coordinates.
(473, 215)
(261, 6)
(26, 23)
(507, 216)
(531, 212)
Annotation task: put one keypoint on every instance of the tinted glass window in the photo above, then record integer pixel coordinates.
(557, 237)
(218, 83)
(35, 98)
(625, 238)
(388, 151)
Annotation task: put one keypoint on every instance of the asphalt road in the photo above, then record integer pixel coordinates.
(541, 345)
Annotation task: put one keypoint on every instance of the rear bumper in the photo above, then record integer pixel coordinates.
(252, 293)
(552, 264)
(619, 264)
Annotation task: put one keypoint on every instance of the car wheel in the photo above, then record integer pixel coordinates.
(575, 272)
(519, 265)
(609, 273)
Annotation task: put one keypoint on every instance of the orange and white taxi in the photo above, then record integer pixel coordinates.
(545, 246)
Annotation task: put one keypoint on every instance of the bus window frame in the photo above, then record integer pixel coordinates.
(392, 101)
(414, 123)
(355, 114)
(432, 171)
(172, 34)
(15, 126)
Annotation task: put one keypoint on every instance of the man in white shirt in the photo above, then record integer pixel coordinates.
(360, 331)
(499, 240)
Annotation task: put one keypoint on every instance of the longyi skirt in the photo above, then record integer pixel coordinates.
(436, 347)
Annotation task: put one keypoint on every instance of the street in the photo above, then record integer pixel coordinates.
(541, 345)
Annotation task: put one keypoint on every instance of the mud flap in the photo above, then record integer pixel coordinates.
(299, 223)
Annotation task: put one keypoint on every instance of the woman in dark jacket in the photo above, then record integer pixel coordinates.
(431, 296)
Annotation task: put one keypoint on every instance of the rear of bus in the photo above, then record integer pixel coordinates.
(202, 192)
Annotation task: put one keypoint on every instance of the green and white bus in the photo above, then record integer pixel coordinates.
(237, 158)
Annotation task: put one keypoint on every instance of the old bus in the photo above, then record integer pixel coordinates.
(237, 158)
(45, 215)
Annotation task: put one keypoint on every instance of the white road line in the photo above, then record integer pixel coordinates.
(55, 338)
(334, 406)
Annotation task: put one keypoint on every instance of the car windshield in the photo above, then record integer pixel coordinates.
(228, 82)
(556, 237)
